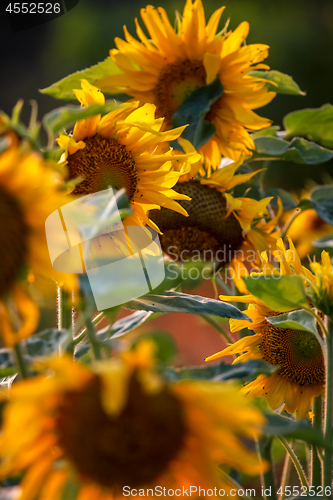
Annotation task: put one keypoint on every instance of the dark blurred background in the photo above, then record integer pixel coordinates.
(299, 33)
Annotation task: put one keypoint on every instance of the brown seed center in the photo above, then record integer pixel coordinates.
(103, 163)
(13, 241)
(131, 449)
(176, 82)
(298, 352)
(206, 230)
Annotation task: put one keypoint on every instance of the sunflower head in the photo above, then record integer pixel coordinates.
(300, 374)
(219, 227)
(29, 192)
(125, 149)
(172, 68)
(120, 424)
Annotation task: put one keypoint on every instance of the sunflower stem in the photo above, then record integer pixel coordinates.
(289, 222)
(223, 285)
(315, 460)
(217, 326)
(64, 306)
(20, 363)
(264, 446)
(91, 334)
(295, 461)
(232, 482)
(329, 411)
(285, 474)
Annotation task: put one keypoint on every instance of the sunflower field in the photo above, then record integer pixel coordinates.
(166, 272)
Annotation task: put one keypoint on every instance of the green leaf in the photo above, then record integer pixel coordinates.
(279, 425)
(279, 293)
(284, 84)
(314, 124)
(322, 201)
(63, 89)
(298, 150)
(183, 302)
(244, 372)
(166, 347)
(46, 342)
(189, 274)
(272, 131)
(65, 116)
(288, 201)
(325, 242)
(305, 205)
(295, 320)
(129, 323)
(193, 111)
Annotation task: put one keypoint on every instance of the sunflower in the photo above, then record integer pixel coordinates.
(169, 66)
(120, 426)
(301, 373)
(29, 191)
(306, 228)
(220, 227)
(119, 150)
(322, 284)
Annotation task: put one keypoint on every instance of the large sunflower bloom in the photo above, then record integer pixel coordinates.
(29, 191)
(120, 425)
(169, 66)
(119, 151)
(301, 375)
(220, 227)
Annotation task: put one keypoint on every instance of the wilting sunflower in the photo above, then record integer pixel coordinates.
(219, 227)
(119, 151)
(169, 66)
(29, 192)
(301, 375)
(121, 425)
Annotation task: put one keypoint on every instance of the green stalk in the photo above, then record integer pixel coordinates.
(232, 482)
(267, 478)
(285, 475)
(91, 334)
(295, 461)
(289, 222)
(225, 287)
(315, 461)
(64, 307)
(329, 409)
(20, 363)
